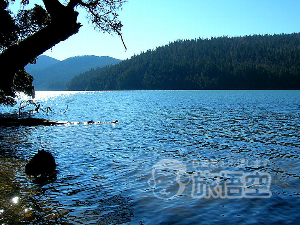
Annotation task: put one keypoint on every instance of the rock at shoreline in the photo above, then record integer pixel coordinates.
(41, 164)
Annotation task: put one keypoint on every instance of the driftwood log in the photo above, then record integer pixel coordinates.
(40, 121)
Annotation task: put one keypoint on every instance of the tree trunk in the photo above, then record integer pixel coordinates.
(18, 56)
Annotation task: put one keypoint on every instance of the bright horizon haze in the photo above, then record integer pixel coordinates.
(148, 24)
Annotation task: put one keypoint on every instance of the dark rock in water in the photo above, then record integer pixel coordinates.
(41, 164)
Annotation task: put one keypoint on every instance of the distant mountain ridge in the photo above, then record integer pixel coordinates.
(51, 74)
(42, 62)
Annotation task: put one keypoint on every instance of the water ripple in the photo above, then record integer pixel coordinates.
(105, 170)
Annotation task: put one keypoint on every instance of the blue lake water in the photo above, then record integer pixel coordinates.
(161, 162)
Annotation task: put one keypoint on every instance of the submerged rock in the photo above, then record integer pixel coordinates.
(41, 164)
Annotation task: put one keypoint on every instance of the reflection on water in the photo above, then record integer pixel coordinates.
(105, 171)
(20, 199)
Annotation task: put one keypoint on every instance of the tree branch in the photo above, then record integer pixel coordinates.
(53, 7)
(73, 3)
(18, 56)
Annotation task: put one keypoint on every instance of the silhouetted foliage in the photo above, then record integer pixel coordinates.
(30, 32)
(249, 62)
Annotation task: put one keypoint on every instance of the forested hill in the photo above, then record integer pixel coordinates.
(250, 62)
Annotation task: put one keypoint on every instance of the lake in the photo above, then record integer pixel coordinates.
(175, 157)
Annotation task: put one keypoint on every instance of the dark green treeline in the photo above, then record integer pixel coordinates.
(250, 62)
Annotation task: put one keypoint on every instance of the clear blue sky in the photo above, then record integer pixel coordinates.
(152, 23)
